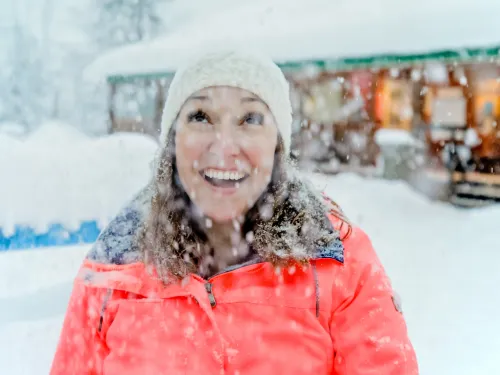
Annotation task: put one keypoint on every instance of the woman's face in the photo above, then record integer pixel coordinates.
(225, 143)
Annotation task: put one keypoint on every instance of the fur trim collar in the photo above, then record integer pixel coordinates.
(280, 239)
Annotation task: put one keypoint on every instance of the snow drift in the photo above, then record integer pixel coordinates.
(58, 175)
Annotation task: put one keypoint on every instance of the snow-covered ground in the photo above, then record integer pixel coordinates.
(443, 262)
(34, 289)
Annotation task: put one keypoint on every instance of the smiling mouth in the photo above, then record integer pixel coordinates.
(223, 179)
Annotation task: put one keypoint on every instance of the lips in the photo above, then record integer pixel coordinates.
(223, 178)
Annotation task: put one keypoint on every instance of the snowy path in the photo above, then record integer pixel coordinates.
(443, 262)
(34, 289)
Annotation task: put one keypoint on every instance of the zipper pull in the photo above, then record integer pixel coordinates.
(211, 297)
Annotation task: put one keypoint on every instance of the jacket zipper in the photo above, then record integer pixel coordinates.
(211, 297)
(208, 285)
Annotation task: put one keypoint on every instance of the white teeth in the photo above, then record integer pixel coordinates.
(224, 175)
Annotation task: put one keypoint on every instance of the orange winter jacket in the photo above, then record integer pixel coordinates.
(336, 316)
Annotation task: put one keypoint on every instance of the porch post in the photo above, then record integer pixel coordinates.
(111, 107)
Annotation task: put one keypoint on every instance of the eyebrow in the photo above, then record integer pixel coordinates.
(199, 97)
(249, 99)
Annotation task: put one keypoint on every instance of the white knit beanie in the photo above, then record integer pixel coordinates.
(249, 71)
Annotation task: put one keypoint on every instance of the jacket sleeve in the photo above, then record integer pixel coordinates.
(367, 326)
(81, 349)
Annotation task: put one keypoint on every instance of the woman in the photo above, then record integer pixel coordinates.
(229, 263)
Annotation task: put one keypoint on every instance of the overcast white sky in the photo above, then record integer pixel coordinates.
(60, 20)
(64, 17)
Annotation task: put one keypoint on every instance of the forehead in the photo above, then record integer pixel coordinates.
(225, 94)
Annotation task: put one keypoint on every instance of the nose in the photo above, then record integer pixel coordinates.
(225, 143)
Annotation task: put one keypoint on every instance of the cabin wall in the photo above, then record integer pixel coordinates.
(439, 105)
(137, 106)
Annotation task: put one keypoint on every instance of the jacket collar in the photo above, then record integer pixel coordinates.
(116, 244)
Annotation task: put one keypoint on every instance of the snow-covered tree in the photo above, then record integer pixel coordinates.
(25, 88)
(119, 22)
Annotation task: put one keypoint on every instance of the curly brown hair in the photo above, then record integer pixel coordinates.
(287, 223)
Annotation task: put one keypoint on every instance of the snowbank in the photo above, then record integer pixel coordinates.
(443, 262)
(317, 29)
(57, 175)
(12, 129)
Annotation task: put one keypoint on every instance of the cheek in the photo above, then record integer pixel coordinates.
(260, 152)
(188, 151)
(260, 158)
(190, 141)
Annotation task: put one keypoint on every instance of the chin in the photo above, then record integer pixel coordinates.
(220, 215)
(221, 218)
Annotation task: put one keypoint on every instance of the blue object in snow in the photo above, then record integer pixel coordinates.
(25, 237)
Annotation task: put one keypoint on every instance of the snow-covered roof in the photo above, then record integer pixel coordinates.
(295, 31)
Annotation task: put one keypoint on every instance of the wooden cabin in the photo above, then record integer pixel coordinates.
(440, 87)
(452, 105)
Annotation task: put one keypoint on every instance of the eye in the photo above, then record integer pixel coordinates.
(198, 116)
(253, 118)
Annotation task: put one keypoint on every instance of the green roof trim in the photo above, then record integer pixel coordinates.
(447, 56)
(129, 78)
